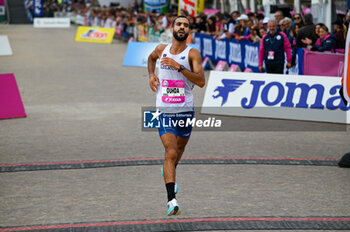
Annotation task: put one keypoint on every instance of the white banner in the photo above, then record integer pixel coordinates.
(307, 98)
(5, 47)
(51, 22)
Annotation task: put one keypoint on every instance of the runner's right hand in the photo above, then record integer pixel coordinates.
(153, 82)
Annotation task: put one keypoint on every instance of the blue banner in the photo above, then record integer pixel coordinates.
(38, 9)
(245, 54)
(236, 51)
(160, 6)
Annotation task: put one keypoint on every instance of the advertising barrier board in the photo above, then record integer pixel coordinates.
(160, 6)
(38, 8)
(312, 98)
(5, 47)
(245, 54)
(11, 105)
(323, 64)
(51, 22)
(94, 34)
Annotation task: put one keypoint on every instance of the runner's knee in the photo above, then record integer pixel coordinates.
(171, 154)
(180, 150)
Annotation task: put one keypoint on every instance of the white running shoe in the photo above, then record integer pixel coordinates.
(173, 208)
(176, 189)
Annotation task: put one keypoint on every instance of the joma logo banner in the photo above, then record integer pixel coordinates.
(310, 98)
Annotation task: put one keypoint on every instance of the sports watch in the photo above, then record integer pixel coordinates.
(181, 68)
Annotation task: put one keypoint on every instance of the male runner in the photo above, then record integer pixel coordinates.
(180, 69)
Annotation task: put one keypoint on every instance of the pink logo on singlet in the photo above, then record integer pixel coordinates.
(173, 99)
(173, 91)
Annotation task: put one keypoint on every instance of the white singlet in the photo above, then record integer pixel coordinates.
(174, 93)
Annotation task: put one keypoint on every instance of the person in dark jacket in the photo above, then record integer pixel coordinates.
(339, 34)
(328, 41)
(272, 48)
(307, 31)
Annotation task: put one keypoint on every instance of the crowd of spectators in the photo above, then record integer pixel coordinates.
(299, 29)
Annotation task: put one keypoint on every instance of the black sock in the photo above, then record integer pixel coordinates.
(170, 188)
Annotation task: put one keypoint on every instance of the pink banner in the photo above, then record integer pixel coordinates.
(11, 105)
(220, 66)
(210, 11)
(323, 64)
(233, 68)
(2, 2)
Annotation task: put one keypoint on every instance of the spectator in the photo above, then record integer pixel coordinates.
(254, 34)
(347, 20)
(265, 21)
(294, 34)
(228, 28)
(242, 30)
(327, 41)
(339, 35)
(293, 44)
(272, 48)
(279, 15)
(262, 31)
(211, 24)
(298, 19)
(307, 31)
(163, 21)
(110, 22)
(316, 33)
(281, 26)
(219, 25)
(184, 12)
(200, 24)
(287, 24)
(191, 19)
(235, 15)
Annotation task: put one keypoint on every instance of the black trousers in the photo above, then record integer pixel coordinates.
(275, 69)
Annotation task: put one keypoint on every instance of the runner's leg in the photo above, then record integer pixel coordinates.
(181, 144)
(170, 145)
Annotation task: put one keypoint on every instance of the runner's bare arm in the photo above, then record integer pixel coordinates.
(196, 76)
(152, 60)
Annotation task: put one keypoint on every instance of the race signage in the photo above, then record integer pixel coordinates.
(94, 34)
(11, 105)
(51, 22)
(160, 6)
(189, 5)
(5, 47)
(38, 8)
(310, 98)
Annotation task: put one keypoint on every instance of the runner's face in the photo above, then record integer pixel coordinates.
(181, 29)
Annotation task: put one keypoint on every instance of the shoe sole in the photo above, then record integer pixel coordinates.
(176, 211)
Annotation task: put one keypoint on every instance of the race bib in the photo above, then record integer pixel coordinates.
(271, 55)
(173, 91)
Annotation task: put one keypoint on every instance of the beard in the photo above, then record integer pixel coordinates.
(178, 38)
